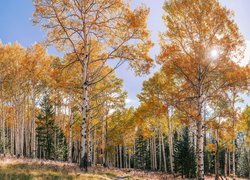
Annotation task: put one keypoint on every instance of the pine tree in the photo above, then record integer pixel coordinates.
(243, 164)
(59, 145)
(141, 156)
(51, 140)
(184, 156)
(242, 156)
(45, 128)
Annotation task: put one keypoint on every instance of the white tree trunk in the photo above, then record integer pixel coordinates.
(216, 165)
(233, 154)
(200, 150)
(120, 153)
(84, 113)
(12, 140)
(103, 141)
(154, 154)
(94, 147)
(70, 137)
(33, 124)
(160, 153)
(3, 131)
(170, 140)
(164, 154)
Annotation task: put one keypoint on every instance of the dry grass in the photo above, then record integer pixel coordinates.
(12, 168)
(22, 168)
(26, 169)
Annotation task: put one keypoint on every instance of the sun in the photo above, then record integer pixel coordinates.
(214, 53)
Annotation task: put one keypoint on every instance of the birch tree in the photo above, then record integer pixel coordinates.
(78, 27)
(198, 49)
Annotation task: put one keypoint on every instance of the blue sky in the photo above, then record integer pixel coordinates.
(15, 25)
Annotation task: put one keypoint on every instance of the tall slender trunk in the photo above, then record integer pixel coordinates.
(160, 153)
(2, 118)
(22, 130)
(216, 165)
(33, 128)
(129, 160)
(106, 140)
(120, 155)
(12, 140)
(94, 147)
(234, 141)
(70, 137)
(17, 130)
(117, 156)
(134, 151)
(170, 140)
(233, 158)
(84, 154)
(27, 139)
(154, 153)
(7, 138)
(103, 141)
(164, 154)
(151, 153)
(200, 135)
(3, 132)
(89, 138)
(125, 157)
(200, 150)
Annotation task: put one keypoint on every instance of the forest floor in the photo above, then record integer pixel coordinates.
(26, 169)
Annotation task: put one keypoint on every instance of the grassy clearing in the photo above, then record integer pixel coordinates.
(25, 169)
(29, 169)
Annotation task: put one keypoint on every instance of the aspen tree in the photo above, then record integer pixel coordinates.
(196, 29)
(79, 26)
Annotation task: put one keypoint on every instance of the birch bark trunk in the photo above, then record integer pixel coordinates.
(84, 112)
(33, 128)
(200, 150)
(164, 154)
(120, 154)
(70, 137)
(160, 153)
(233, 154)
(103, 141)
(216, 167)
(154, 153)
(170, 140)
(94, 147)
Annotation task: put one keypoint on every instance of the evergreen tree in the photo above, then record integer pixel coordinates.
(142, 154)
(243, 157)
(184, 156)
(51, 140)
(243, 164)
(59, 145)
